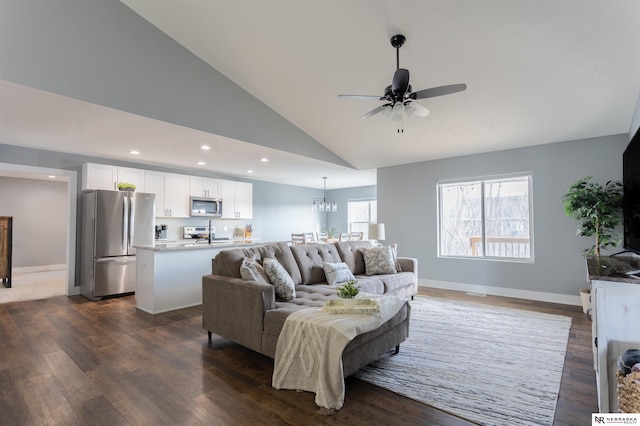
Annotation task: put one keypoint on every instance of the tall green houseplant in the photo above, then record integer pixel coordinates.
(598, 209)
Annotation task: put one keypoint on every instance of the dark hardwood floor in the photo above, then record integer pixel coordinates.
(67, 360)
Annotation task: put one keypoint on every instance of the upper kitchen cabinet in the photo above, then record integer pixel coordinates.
(102, 176)
(172, 193)
(204, 187)
(237, 200)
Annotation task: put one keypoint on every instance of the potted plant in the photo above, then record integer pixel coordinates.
(348, 290)
(332, 231)
(126, 186)
(598, 209)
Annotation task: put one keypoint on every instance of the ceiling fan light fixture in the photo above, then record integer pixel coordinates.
(398, 111)
(420, 110)
(399, 94)
(409, 110)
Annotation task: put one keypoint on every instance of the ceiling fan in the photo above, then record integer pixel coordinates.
(399, 96)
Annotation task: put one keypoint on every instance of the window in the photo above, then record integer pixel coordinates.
(486, 218)
(361, 214)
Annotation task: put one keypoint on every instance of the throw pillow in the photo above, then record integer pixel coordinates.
(394, 252)
(337, 273)
(378, 260)
(280, 278)
(251, 270)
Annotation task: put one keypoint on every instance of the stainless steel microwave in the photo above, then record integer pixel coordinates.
(205, 207)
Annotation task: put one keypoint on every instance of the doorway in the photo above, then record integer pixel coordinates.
(55, 275)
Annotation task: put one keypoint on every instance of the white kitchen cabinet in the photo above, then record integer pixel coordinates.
(134, 176)
(99, 176)
(237, 199)
(244, 200)
(103, 176)
(172, 193)
(204, 187)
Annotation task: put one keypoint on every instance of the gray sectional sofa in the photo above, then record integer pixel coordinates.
(248, 313)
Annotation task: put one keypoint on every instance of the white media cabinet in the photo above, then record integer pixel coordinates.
(615, 310)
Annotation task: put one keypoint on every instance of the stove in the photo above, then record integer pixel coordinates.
(200, 233)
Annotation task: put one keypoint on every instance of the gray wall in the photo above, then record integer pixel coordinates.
(407, 204)
(40, 216)
(635, 121)
(340, 219)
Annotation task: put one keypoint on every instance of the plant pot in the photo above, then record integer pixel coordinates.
(585, 296)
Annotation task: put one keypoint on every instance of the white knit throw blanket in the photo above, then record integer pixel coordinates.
(310, 346)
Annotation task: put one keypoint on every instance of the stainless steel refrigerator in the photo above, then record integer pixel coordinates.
(113, 222)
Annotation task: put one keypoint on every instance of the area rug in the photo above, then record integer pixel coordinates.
(492, 366)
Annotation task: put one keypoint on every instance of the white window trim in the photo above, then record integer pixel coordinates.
(483, 179)
(356, 200)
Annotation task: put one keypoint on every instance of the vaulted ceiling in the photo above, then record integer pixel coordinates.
(537, 72)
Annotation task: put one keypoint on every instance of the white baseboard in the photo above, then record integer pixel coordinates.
(39, 268)
(539, 296)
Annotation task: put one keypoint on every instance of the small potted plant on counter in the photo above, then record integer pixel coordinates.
(126, 186)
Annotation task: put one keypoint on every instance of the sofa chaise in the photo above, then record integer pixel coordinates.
(248, 313)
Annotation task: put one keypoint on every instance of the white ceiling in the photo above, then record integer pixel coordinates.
(537, 72)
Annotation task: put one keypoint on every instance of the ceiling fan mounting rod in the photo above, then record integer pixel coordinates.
(397, 41)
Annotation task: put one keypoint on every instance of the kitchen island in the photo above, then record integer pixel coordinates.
(169, 274)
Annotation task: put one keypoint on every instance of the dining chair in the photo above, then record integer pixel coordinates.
(344, 236)
(322, 236)
(297, 239)
(355, 236)
(309, 237)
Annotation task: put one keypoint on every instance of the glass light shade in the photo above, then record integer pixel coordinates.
(398, 111)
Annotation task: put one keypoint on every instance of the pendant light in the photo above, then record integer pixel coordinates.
(322, 204)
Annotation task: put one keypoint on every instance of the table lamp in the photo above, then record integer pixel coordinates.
(376, 232)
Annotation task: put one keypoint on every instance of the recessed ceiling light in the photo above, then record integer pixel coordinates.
(51, 177)
(264, 159)
(201, 163)
(249, 171)
(134, 152)
(205, 147)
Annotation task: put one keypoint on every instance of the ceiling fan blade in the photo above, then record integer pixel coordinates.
(420, 110)
(400, 82)
(438, 91)
(377, 98)
(375, 111)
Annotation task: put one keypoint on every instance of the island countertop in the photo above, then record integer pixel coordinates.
(194, 245)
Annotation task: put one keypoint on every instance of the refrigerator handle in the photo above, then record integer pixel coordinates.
(132, 222)
(125, 221)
